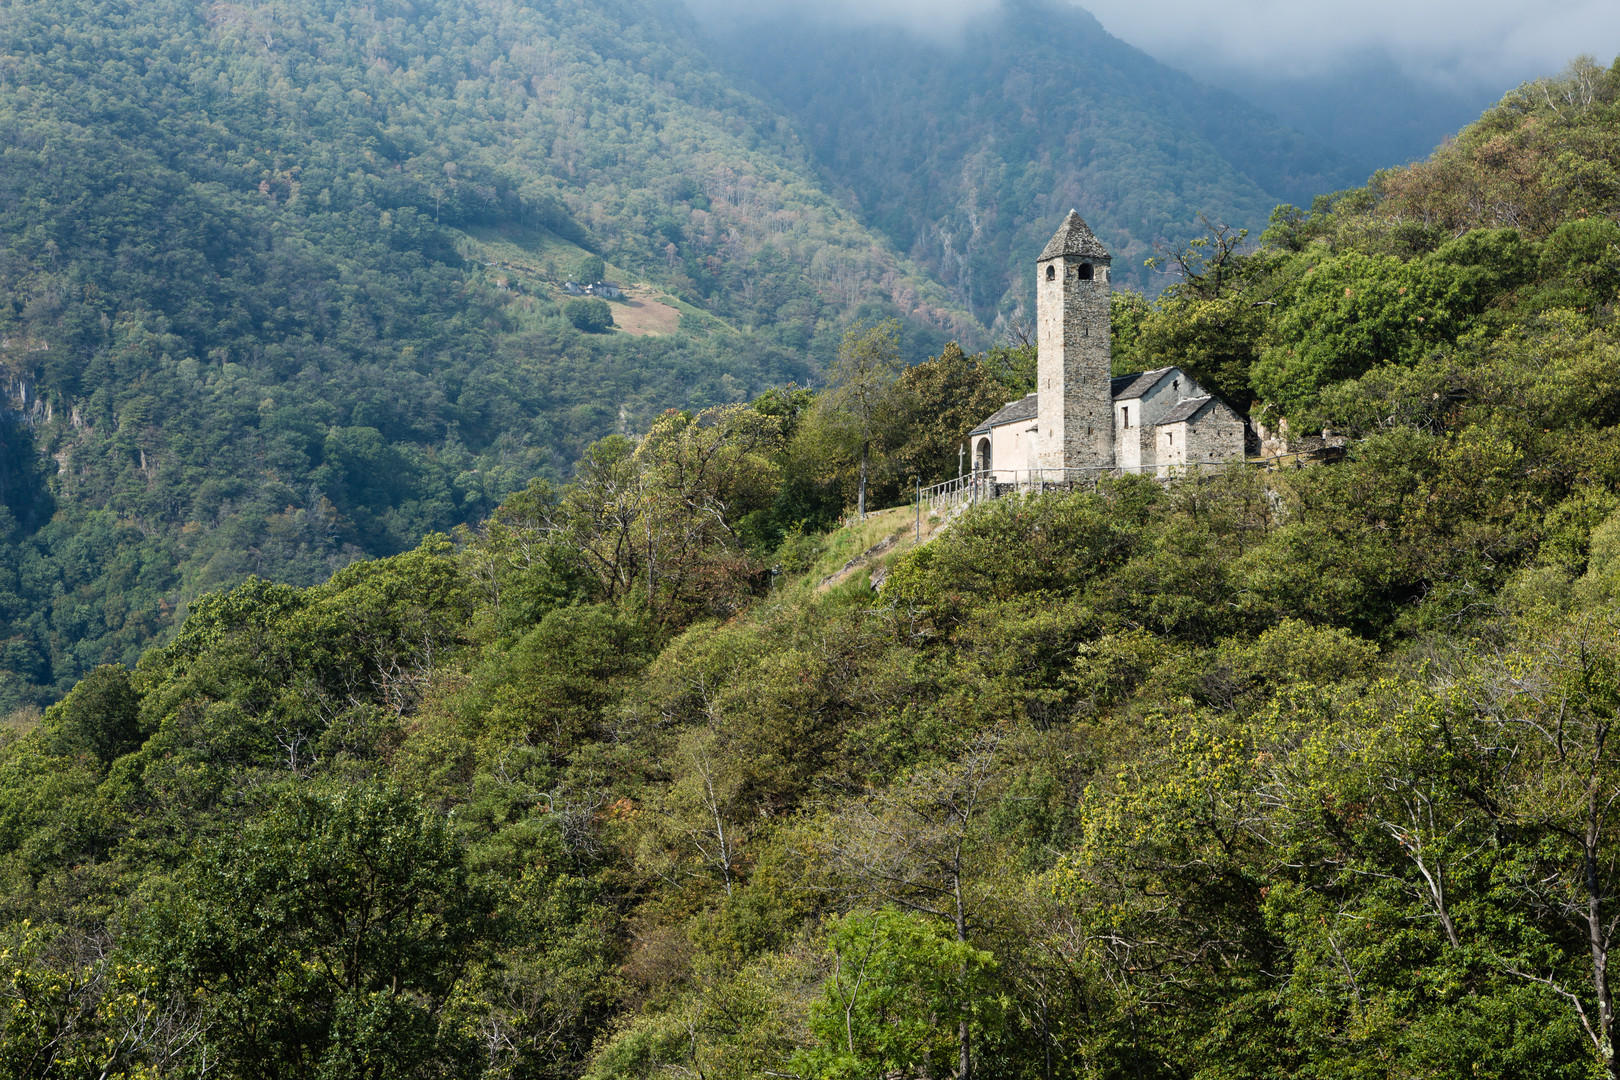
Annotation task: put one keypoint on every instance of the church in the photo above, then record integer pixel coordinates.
(1082, 417)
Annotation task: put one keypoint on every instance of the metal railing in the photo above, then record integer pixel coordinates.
(992, 483)
(982, 484)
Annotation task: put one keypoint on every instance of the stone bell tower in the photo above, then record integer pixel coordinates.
(1076, 403)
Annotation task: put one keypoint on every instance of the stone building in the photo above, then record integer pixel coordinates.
(1081, 417)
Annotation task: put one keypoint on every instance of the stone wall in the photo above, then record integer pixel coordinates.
(1139, 444)
(1216, 435)
(1072, 334)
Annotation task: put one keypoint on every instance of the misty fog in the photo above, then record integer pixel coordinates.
(1466, 43)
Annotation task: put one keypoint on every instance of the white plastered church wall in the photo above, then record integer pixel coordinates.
(1014, 444)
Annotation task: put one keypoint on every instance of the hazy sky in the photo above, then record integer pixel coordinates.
(1494, 42)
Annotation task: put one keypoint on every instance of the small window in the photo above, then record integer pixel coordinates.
(1085, 271)
(1176, 385)
(1169, 437)
(1051, 273)
(1125, 418)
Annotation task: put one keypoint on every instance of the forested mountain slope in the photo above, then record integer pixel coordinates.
(964, 152)
(1386, 305)
(1369, 106)
(1248, 773)
(279, 283)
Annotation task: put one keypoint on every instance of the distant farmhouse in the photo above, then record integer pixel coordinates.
(1081, 417)
(605, 289)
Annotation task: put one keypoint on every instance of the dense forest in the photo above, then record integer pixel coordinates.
(1252, 773)
(257, 313)
(281, 283)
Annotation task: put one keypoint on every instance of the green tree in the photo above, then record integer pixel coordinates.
(590, 269)
(664, 517)
(327, 939)
(1354, 312)
(1207, 266)
(1215, 340)
(1015, 364)
(899, 988)
(922, 845)
(936, 403)
(1126, 312)
(548, 690)
(589, 314)
(860, 390)
(1585, 256)
(99, 719)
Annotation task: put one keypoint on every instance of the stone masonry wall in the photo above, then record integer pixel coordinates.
(1072, 333)
(1217, 435)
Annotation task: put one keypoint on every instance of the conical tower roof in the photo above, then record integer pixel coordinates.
(1074, 237)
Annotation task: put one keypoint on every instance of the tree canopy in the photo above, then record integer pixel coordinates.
(1248, 772)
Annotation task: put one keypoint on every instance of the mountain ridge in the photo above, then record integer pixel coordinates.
(1047, 111)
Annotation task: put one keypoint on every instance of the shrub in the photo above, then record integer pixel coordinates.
(590, 315)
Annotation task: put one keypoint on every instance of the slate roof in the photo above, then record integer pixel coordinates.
(1074, 237)
(1025, 408)
(1185, 411)
(1126, 387)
